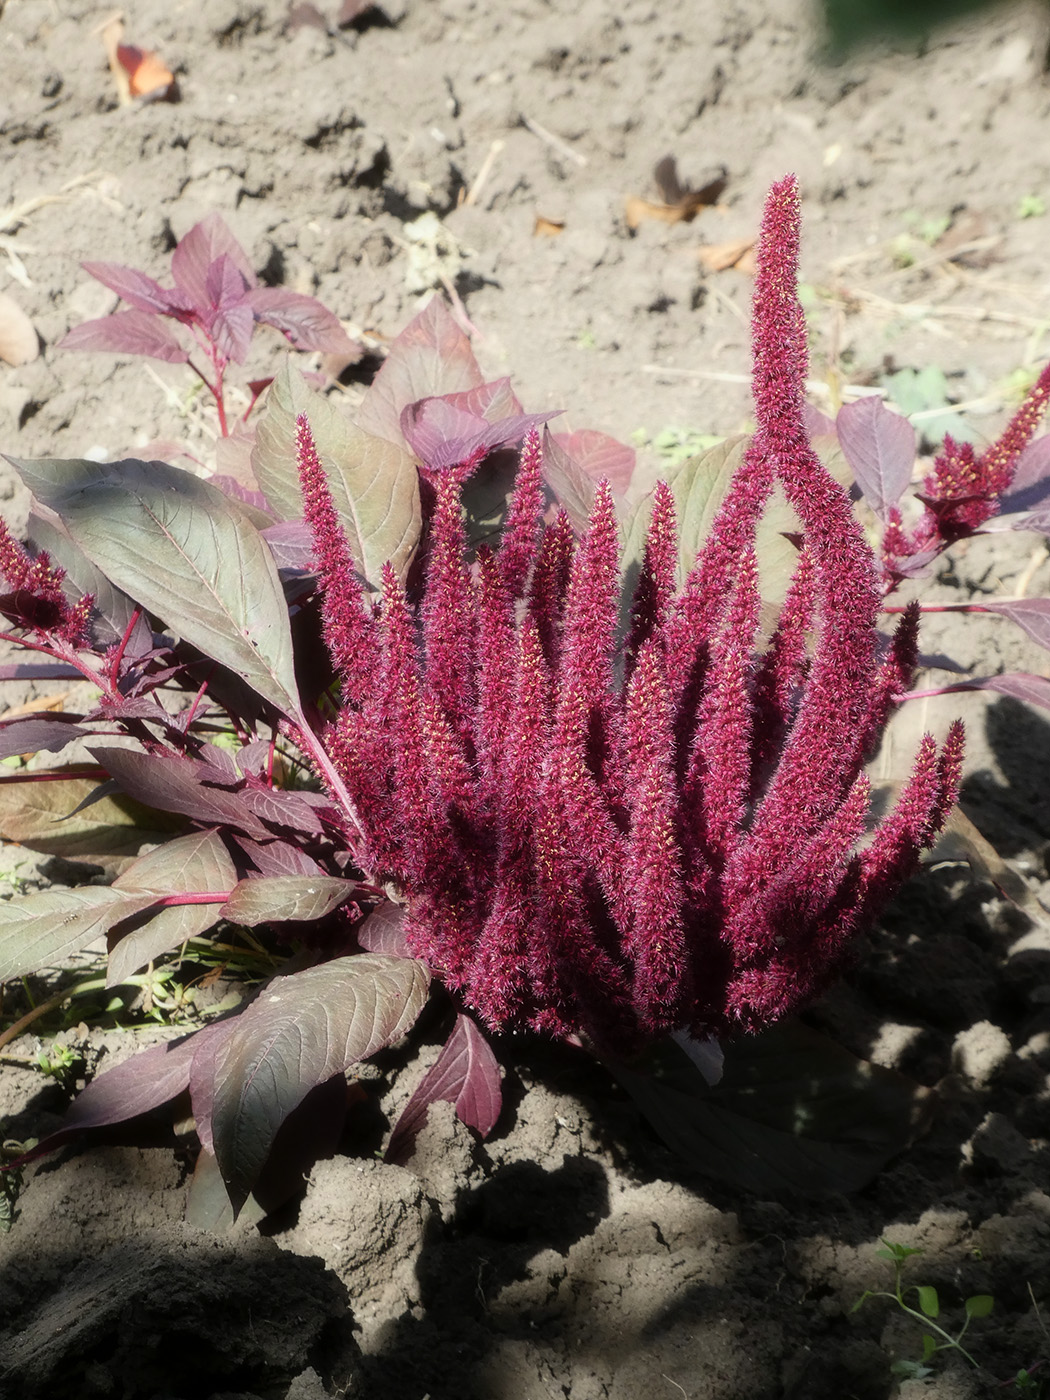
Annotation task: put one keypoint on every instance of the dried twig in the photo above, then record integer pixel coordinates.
(562, 147)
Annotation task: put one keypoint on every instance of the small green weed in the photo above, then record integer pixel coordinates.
(675, 445)
(934, 1338)
(1031, 206)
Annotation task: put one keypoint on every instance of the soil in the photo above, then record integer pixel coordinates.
(571, 1254)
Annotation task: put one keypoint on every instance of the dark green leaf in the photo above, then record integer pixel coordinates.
(929, 1345)
(302, 1030)
(980, 1305)
(195, 864)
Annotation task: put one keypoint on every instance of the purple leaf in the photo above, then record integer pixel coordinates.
(880, 447)
(1032, 614)
(278, 857)
(232, 328)
(38, 735)
(185, 552)
(431, 356)
(275, 899)
(195, 864)
(466, 1074)
(29, 671)
(299, 1032)
(306, 323)
(1030, 486)
(818, 424)
(224, 284)
(237, 491)
(127, 333)
(146, 1081)
(600, 457)
(113, 608)
(281, 808)
(136, 288)
(442, 435)
(573, 489)
(195, 253)
(177, 785)
(1021, 685)
(491, 401)
(383, 932)
(291, 543)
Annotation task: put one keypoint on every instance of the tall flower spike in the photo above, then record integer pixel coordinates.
(662, 988)
(655, 590)
(997, 463)
(717, 783)
(521, 534)
(450, 611)
(822, 754)
(347, 624)
(549, 587)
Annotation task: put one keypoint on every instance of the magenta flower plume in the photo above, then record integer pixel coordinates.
(36, 599)
(621, 839)
(962, 490)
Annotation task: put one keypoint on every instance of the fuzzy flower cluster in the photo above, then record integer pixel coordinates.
(963, 488)
(35, 599)
(624, 840)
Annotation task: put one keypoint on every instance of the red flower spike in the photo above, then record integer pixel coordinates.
(822, 754)
(584, 856)
(895, 673)
(38, 602)
(549, 587)
(450, 610)
(998, 462)
(521, 534)
(655, 590)
(655, 940)
(347, 624)
(497, 644)
(781, 672)
(719, 776)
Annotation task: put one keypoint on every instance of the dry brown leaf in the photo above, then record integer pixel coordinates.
(738, 253)
(547, 228)
(681, 205)
(18, 339)
(42, 702)
(148, 76)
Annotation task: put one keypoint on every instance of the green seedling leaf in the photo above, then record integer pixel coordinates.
(40, 930)
(922, 395)
(60, 818)
(980, 1305)
(184, 551)
(275, 898)
(195, 864)
(897, 1252)
(373, 481)
(928, 1300)
(929, 1346)
(302, 1030)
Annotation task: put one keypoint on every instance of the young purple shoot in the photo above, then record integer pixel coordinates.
(217, 300)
